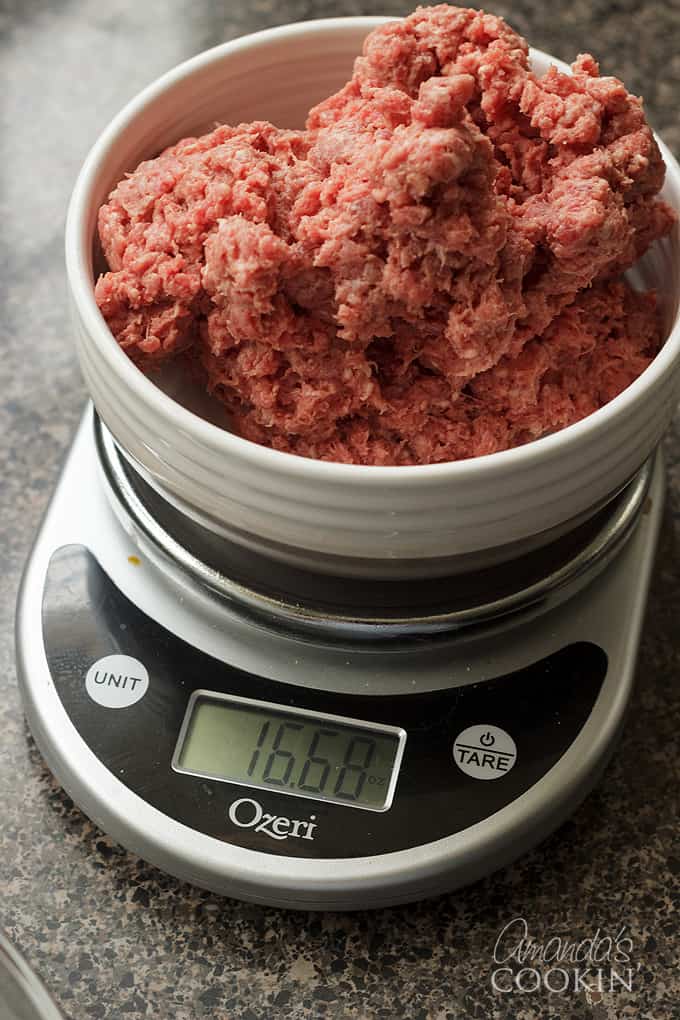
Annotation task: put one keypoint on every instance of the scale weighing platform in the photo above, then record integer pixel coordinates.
(288, 752)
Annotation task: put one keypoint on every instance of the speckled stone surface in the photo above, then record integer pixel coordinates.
(113, 937)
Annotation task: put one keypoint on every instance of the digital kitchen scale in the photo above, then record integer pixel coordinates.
(317, 742)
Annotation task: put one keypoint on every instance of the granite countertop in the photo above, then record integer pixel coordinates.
(112, 936)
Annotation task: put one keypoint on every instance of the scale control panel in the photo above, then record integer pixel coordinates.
(289, 770)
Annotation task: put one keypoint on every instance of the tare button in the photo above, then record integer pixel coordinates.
(117, 681)
(484, 752)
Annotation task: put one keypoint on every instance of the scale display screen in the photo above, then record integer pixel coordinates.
(299, 752)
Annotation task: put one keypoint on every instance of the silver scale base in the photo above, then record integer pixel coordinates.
(602, 606)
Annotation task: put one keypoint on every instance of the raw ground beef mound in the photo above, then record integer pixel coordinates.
(432, 270)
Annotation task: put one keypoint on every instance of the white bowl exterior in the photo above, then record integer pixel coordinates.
(408, 513)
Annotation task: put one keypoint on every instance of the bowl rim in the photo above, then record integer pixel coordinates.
(277, 462)
(23, 977)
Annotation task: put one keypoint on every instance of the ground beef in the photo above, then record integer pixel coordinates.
(431, 270)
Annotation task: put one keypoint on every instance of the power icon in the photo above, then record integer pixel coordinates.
(484, 751)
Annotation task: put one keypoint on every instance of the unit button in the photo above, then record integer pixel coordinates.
(117, 681)
(484, 752)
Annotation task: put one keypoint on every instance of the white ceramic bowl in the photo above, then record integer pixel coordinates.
(410, 520)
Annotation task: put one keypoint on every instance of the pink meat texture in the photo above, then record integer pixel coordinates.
(432, 270)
